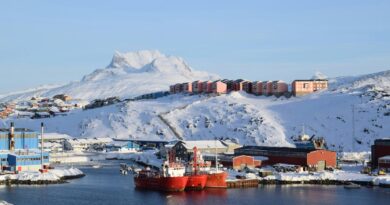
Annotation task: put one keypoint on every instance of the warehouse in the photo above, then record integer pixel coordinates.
(317, 159)
(19, 150)
(243, 161)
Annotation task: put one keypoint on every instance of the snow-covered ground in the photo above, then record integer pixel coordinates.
(249, 119)
(364, 100)
(51, 175)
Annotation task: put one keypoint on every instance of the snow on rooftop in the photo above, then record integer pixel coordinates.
(204, 144)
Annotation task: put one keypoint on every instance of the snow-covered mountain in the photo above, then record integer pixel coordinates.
(128, 75)
(250, 119)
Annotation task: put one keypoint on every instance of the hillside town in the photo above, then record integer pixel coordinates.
(39, 107)
(246, 165)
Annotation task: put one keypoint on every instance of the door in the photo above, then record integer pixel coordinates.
(320, 165)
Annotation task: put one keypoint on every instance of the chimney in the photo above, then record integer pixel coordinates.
(12, 137)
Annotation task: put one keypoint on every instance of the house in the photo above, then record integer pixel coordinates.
(279, 88)
(184, 149)
(172, 89)
(197, 86)
(244, 161)
(40, 115)
(178, 88)
(380, 149)
(63, 97)
(207, 87)
(257, 87)
(267, 88)
(187, 87)
(320, 84)
(219, 87)
(303, 87)
(247, 86)
(229, 84)
(238, 84)
(317, 159)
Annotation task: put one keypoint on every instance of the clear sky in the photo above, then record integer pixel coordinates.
(51, 41)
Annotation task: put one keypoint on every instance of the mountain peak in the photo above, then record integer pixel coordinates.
(135, 60)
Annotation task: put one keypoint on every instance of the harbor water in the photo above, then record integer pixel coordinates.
(106, 185)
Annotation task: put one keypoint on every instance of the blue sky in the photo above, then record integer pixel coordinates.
(44, 42)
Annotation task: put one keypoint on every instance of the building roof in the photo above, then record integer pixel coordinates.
(387, 157)
(16, 130)
(277, 149)
(203, 144)
(54, 136)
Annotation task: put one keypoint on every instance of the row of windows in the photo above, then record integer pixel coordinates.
(31, 159)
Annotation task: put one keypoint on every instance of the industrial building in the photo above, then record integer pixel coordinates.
(243, 161)
(380, 153)
(19, 150)
(317, 159)
(184, 149)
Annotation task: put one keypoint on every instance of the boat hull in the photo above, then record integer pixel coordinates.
(216, 180)
(169, 184)
(196, 182)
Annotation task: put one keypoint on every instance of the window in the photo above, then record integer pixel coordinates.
(305, 85)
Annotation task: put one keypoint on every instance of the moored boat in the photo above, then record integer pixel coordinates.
(170, 178)
(196, 179)
(216, 179)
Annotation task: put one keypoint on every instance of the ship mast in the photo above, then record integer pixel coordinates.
(216, 158)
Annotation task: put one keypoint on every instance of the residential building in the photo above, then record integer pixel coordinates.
(257, 87)
(247, 86)
(303, 87)
(197, 86)
(238, 85)
(267, 88)
(187, 87)
(279, 88)
(207, 86)
(219, 87)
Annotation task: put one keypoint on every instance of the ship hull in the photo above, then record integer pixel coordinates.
(196, 182)
(216, 180)
(169, 184)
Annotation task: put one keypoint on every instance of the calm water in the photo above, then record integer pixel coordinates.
(107, 186)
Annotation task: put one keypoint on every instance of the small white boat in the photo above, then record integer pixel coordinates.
(351, 185)
(96, 166)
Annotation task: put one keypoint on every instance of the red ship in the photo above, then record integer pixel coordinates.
(196, 179)
(171, 177)
(216, 179)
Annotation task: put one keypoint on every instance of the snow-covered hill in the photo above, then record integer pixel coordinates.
(128, 75)
(250, 119)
